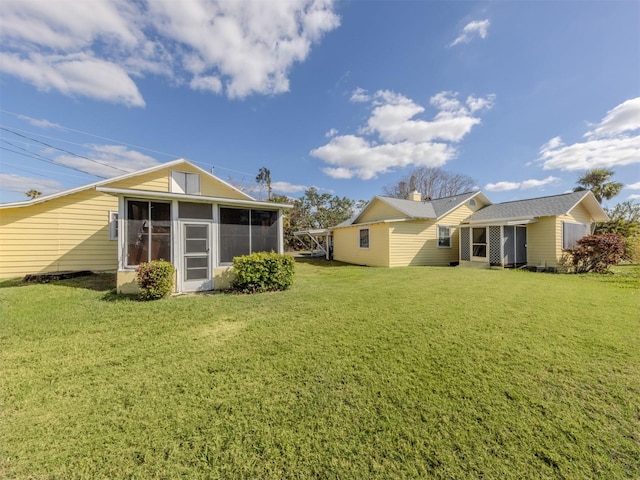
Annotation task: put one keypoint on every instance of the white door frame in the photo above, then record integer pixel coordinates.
(200, 283)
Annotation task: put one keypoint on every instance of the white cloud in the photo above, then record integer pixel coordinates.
(108, 160)
(502, 186)
(331, 133)
(96, 48)
(472, 30)
(394, 138)
(41, 122)
(633, 186)
(524, 185)
(286, 187)
(623, 118)
(614, 141)
(18, 183)
(634, 196)
(360, 95)
(76, 74)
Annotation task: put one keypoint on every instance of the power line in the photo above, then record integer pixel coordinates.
(43, 159)
(34, 171)
(63, 150)
(93, 135)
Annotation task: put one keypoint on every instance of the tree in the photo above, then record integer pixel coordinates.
(33, 193)
(264, 178)
(431, 183)
(598, 181)
(625, 221)
(314, 210)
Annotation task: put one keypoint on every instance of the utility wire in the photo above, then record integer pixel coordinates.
(63, 150)
(25, 117)
(43, 159)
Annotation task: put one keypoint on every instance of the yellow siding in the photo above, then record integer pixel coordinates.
(378, 210)
(346, 245)
(416, 242)
(544, 238)
(159, 181)
(542, 242)
(66, 233)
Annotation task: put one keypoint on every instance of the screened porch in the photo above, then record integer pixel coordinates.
(494, 245)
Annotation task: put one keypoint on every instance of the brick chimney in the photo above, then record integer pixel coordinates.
(416, 196)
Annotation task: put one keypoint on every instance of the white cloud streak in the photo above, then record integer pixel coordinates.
(18, 183)
(108, 160)
(614, 141)
(524, 185)
(286, 187)
(475, 29)
(394, 138)
(96, 49)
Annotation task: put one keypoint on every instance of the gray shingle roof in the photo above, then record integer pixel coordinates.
(412, 209)
(533, 207)
(427, 208)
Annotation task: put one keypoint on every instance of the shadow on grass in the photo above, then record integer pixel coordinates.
(97, 282)
(321, 262)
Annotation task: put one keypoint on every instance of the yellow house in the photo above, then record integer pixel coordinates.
(466, 228)
(392, 232)
(532, 232)
(174, 211)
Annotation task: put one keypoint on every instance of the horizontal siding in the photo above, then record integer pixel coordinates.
(159, 181)
(416, 243)
(542, 242)
(346, 246)
(378, 210)
(67, 233)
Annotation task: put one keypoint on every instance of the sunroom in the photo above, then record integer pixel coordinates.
(199, 235)
(494, 245)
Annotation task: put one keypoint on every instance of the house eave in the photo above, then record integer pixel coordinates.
(126, 192)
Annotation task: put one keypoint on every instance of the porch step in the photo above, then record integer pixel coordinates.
(475, 265)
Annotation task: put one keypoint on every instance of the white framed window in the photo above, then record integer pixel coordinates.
(572, 232)
(472, 203)
(113, 225)
(364, 238)
(444, 236)
(185, 182)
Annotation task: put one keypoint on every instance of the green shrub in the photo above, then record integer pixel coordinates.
(155, 279)
(263, 272)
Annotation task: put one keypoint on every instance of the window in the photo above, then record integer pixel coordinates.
(244, 231)
(113, 225)
(148, 231)
(444, 236)
(572, 232)
(185, 182)
(201, 211)
(472, 203)
(479, 242)
(364, 238)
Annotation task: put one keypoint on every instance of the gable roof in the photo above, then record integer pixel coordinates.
(173, 163)
(539, 207)
(426, 209)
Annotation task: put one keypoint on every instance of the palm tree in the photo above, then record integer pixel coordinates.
(33, 193)
(597, 180)
(264, 178)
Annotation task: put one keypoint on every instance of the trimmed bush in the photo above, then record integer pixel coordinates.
(596, 253)
(263, 272)
(155, 279)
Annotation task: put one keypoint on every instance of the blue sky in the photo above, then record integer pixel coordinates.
(346, 96)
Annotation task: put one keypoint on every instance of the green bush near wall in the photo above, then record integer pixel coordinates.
(263, 272)
(155, 279)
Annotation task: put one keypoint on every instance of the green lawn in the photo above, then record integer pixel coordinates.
(353, 373)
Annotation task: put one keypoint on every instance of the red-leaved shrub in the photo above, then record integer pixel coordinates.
(595, 253)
